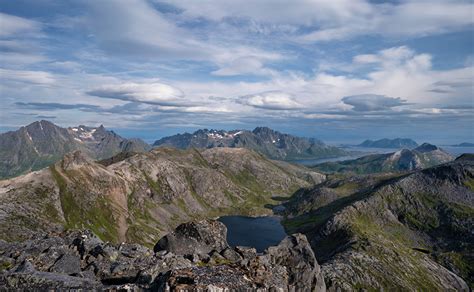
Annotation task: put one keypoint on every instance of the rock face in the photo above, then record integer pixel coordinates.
(397, 143)
(272, 144)
(398, 232)
(421, 157)
(80, 260)
(43, 143)
(140, 197)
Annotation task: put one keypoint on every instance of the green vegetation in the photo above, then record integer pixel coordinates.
(80, 213)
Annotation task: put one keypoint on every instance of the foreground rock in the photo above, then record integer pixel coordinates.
(80, 260)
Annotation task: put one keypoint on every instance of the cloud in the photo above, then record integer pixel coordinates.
(151, 93)
(243, 66)
(12, 25)
(26, 76)
(372, 102)
(409, 19)
(55, 106)
(271, 100)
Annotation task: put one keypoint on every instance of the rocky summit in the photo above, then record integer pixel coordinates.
(201, 260)
(42, 143)
(272, 144)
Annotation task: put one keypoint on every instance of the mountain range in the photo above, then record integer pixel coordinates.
(397, 143)
(423, 156)
(273, 144)
(42, 143)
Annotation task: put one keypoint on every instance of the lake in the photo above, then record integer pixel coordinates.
(258, 232)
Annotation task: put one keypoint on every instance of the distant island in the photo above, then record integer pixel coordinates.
(464, 144)
(390, 143)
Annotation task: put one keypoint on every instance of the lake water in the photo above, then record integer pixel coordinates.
(258, 232)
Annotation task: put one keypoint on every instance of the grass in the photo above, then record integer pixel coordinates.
(78, 213)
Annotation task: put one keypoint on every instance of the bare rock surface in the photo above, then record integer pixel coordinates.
(80, 260)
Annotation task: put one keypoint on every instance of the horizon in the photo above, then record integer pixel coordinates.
(339, 71)
(151, 136)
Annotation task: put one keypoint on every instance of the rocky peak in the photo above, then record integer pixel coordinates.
(426, 147)
(75, 160)
(195, 237)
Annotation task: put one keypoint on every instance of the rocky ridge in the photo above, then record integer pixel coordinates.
(272, 144)
(392, 232)
(80, 260)
(140, 197)
(425, 155)
(399, 143)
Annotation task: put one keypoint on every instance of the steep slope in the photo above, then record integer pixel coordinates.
(412, 232)
(421, 157)
(139, 197)
(42, 143)
(390, 143)
(270, 143)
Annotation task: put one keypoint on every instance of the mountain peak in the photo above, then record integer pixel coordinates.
(426, 147)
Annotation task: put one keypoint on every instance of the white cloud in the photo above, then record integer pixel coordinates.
(272, 100)
(372, 102)
(12, 25)
(243, 66)
(28, 77)
(151, 93)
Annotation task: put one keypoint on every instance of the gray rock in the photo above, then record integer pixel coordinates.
(231, 255)
(67, 264)
(195, 237)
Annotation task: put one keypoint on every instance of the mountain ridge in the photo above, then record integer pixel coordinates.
(423, 156)
(390, 143)
(271, 143)
(42, 143)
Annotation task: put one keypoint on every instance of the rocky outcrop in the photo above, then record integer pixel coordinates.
(195, 238)
(80, 260)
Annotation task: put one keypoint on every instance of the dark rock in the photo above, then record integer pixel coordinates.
(231, 255)
(195, 237)
(295, 253)
(67, 264)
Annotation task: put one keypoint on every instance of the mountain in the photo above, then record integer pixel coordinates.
(464, 144)
(270, 143)
(423, 156)
(140, 197)
(194, 257)
(390, 143)
(392, 233)
(42, 143)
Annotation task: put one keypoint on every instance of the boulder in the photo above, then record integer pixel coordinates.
(195, 237)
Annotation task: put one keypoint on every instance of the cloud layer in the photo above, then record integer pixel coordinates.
(181, 64)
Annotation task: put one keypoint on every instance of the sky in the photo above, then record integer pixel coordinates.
(338, 70)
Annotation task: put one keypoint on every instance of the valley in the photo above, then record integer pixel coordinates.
(396, 221)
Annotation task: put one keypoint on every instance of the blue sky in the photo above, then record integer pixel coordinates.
(339, 70)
